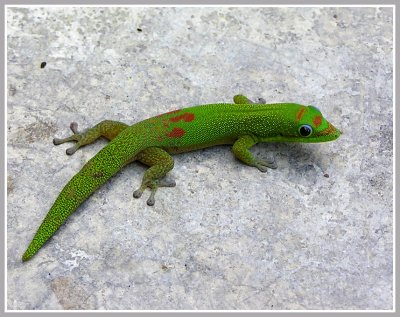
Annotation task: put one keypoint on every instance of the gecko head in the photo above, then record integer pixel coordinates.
(307, 125)
(311, 126)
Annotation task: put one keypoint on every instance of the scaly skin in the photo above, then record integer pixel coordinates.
(151, 142)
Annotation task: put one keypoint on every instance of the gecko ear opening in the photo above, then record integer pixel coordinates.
(305, 130)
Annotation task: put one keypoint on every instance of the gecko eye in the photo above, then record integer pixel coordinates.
(305, 130)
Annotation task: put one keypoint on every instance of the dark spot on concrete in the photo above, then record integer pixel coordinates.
(43, 65)
(12, 90)
(139, 29)
(10, 185)
(335, 16)
(39, 130)
(71, 295)
(326, 175)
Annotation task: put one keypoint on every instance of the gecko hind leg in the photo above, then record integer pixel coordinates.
(160, 163)
(107, 128)
(243, 100)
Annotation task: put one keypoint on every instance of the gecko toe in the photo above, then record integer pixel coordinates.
(264, 165)
(273, 165)
(71, 150)
(151, 201)
(262, 168)
(137, 193)
(57, 141)
(153, 186)
(74, 127)
(166, 183)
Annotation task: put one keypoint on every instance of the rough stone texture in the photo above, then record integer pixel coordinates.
(228, 236)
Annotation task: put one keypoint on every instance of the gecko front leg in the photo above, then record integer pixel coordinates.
(241, 150)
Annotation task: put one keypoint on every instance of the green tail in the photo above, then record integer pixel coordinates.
(94, 174)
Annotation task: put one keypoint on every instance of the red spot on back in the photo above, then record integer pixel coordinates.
(300, 113)
(187, 117)
(176, 133)
(317, 121)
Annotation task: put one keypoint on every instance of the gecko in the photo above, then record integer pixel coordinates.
(242, 124)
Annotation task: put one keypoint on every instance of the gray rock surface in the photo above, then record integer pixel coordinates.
(228, 236)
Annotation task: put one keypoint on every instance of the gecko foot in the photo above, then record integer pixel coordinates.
(75, 137)
(264, 165)
(153, 185)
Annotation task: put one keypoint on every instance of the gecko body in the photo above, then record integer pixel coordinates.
(152, 141)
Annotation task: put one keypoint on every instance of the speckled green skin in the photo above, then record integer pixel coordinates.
(151, 142)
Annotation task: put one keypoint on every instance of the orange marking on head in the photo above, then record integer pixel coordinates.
(300, 113)
(329, 130)
(187, 117)
(176, 133)
(317, 121)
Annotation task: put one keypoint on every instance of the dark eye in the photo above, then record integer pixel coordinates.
(305, 130)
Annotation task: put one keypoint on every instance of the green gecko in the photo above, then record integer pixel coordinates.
(243, 124)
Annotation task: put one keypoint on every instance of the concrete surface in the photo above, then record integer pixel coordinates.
(228, 236)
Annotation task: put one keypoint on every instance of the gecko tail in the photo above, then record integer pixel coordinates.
(93, 174)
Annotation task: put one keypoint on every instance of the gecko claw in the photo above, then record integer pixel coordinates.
(154, 185)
